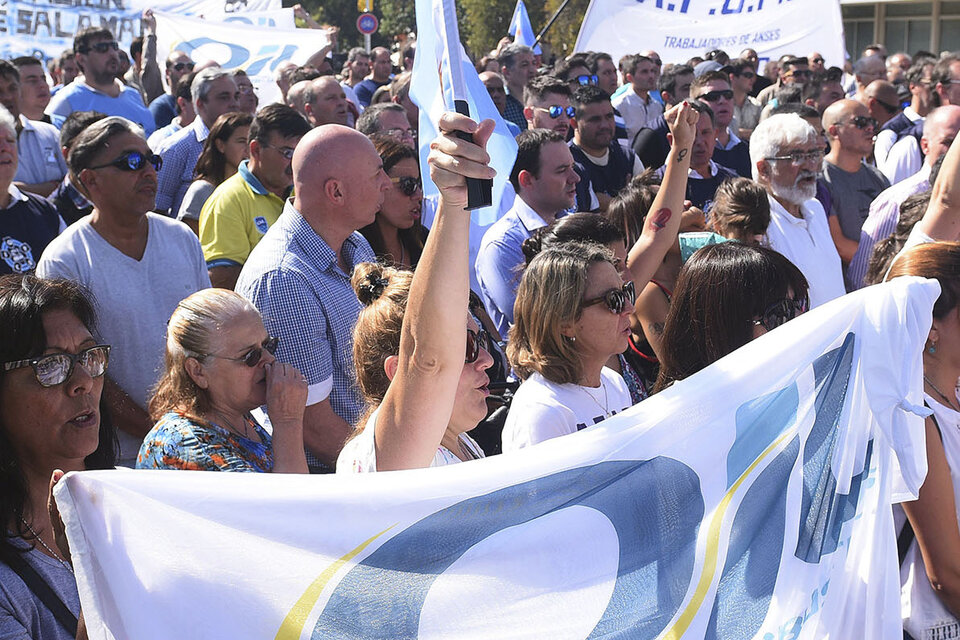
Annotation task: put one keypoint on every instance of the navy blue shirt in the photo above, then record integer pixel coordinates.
(27, 226)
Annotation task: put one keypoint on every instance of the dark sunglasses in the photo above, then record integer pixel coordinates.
(816, 61)
(408, 185)
(555, 111)
(781, 311)
(101, 47)
(862, 122)
(749, 75)
(180, 66)
(476, 340)
(713, 96)
(585, 80)
(891, 108)
(134, 161)
(615, 299)
(800, 73)
(56, 368)
(253, 357)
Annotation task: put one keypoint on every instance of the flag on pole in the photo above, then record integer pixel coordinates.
(521, 29)
(751, 500)
(431, 89)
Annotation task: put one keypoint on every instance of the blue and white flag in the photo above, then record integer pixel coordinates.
(521, 29)
(751, 500)
(431, 90)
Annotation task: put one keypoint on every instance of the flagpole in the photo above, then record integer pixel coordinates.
(553, 18)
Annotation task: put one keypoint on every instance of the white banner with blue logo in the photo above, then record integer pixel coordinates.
(44, 29)
(681, 29)
(751, 500)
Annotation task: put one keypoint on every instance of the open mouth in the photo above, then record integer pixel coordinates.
(85, 419)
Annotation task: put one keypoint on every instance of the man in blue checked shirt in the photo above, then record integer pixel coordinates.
(298, 276)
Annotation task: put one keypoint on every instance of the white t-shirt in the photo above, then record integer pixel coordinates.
(359, 455)
(806, 242)
(924, 615)
(542, 410)
(135, 298)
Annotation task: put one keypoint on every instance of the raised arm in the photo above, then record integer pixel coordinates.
(662, 223)
(417, 407)
(942, 218)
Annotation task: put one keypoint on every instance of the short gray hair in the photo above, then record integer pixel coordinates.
(200, 87)
(369, 120)
(7, 120)
(775, 133)
(92, 139)
(507, 56)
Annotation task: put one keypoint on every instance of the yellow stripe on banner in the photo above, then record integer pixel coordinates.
(292, 626)
(713, 547)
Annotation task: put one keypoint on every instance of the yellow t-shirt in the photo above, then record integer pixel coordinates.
(235, 217)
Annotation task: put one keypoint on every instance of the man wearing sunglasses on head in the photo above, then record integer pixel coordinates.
(547, 104)
(98, 89)
(164, 107)
(138, 265)
(851, 183)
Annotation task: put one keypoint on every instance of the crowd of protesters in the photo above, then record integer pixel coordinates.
(197, 281)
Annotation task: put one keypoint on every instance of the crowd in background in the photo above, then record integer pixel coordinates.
(198, 281)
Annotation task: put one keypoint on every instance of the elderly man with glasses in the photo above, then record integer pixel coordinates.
(98, 89)
(138, 265)
(851, 183)
(786, 153)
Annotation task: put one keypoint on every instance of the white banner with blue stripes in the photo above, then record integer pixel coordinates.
(751, 500)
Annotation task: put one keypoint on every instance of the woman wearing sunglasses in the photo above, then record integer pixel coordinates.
(219, 367)
(51, 379)
(396, 234)
(727, 294)
(420, 356)
(930, 591)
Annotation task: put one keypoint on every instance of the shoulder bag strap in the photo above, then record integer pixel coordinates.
(43, 591)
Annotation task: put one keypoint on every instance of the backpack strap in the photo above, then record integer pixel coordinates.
(907, 535)
(43, 591)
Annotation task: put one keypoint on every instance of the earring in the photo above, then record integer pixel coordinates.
(932, 348)
(570, 338)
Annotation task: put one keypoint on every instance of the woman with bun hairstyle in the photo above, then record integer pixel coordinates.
(420, 356)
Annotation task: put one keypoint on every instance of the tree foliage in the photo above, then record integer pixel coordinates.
(562, 36)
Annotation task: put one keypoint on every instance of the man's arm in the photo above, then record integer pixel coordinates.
(224, 276)
(846, 247)
(150, 76)
(324, 432)
(127, 415)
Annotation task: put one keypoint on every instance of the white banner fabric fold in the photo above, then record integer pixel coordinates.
(681, 29)
(255, 49)
(751, 500)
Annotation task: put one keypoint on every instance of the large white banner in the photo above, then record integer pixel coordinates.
(44, 29)
(681, 29)
(257, 49)
(751, 500)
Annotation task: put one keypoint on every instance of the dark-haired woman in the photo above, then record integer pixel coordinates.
(51, 379)
(727, 294)
(223, 151)
(396, 235)
(930, 572)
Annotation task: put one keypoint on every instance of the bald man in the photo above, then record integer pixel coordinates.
(851, 183)
(324, 102)
(939, 130)
(866, 70)
(295, 96)
(882, 101)
(298, 276)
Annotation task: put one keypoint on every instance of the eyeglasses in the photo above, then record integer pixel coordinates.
(800, 157)
(816, 60)
(781, 311)
(56, 368)
(615, 299)
(476, 340)
(800, 73)
(862, 122)
(585, 80)
(401, 133)
(134, 161)
(408, 185)
(555, 111)
(180, 66)
(101, 47)
(286, 152)
(253, 357)
(714, 96)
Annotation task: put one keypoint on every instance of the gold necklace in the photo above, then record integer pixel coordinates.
(43, 544)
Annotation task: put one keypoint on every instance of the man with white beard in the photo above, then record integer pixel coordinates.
(786, 153)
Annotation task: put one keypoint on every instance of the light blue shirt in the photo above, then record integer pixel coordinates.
(180, 153)
(38, 147)
(500, 261)
(79, 96)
